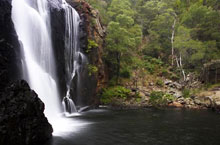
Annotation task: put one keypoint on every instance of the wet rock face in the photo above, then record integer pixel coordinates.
(22, 121)
(9, 46)
(211, 72)
(58, 40)
(91, 29)
(90, 83)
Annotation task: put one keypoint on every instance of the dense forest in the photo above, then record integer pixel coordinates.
(183, 34)
(174, 38)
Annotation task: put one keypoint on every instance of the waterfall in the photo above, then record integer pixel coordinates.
(74, 58)
(32, 24)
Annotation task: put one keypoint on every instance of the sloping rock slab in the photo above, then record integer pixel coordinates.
(22, 121)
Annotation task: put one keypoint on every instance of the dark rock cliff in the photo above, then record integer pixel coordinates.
(22, 121)
(92, 34)
(9, 47)
(58, 38)
(90, 31)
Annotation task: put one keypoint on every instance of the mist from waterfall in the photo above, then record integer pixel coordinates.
(74, 59)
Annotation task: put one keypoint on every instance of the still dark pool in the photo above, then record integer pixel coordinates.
(144, 127)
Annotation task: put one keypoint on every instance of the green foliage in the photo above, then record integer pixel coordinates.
(139, 35)
(111, 93)
(118, 7)
(91, 44)
(152, 64)
(101, 6)
(150, 67)
(165, 72)
(186, 93)
(125, 72)
(93, 22)
(149, 10)
(156, 96)
(160, 83)
(123, 36)
(194, 52)
(159, 98)
(138, 100)
(92, 69)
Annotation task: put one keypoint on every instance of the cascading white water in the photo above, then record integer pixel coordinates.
(74, 59)
(32, 24)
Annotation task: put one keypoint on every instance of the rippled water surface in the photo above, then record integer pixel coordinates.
(143, 127)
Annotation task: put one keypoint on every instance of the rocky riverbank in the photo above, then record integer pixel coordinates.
(170, 94)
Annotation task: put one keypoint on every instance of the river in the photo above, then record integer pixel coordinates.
(143, 127)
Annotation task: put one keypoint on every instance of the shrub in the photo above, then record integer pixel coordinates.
(92, 69)
(165, 72)
(113, 81)
(152, 64)
(138, 100)
(149, 67)
(160, 83)
(109, 94)
(125, 73)
(156, 95)
(159, 98)
(91, 44)
(186, 93)
(153, 60)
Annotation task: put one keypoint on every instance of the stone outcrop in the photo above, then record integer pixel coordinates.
(211, 72)
(22, 121)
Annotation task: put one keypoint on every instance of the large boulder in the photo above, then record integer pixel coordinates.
(22, 121)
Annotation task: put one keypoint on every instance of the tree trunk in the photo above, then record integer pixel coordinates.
(181, 67)
(204, 2)
(118, 67)
(177, 62)
(172, 39)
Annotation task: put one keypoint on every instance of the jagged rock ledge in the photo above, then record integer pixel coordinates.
(22, 121)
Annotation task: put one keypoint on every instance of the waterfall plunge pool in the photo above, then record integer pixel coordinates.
(141, 127)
